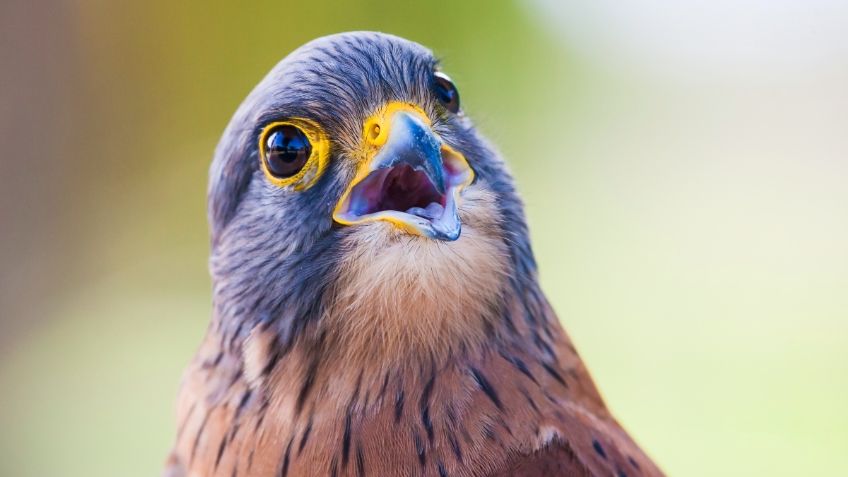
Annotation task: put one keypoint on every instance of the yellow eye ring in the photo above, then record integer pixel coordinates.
(315, 165)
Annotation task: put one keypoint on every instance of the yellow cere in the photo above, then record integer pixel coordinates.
(315, 165)
(377, 128)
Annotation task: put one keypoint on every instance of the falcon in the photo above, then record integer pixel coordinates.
(376, 306)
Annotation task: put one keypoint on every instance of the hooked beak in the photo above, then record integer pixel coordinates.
(410, 177)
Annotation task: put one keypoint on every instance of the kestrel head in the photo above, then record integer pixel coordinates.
(351, 177)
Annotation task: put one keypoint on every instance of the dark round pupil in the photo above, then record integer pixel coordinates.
(447, 93)
(286, 151)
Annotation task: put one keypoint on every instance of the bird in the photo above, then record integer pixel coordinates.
(376, 308)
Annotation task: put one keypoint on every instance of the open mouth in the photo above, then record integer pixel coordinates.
(408, 196)
(401, 189)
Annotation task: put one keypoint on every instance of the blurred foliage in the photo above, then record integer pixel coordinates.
(719, 339)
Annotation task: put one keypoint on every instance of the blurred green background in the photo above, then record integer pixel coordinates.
(684, 166)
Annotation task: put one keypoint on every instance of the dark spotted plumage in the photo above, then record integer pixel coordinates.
(366, 349)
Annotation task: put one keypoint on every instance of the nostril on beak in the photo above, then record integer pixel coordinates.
(375, 133)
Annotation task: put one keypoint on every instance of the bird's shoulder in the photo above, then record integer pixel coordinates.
(573, 432)
(213, 391)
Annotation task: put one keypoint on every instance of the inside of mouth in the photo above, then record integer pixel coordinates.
(399, 188)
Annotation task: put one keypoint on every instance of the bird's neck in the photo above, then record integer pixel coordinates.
(329, 374)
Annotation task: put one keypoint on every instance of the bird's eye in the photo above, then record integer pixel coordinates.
(446, 91)
(287, 150)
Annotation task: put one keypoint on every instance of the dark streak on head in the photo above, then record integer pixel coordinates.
(451, 413)
(399, 401)
(236, 335)
(242, 403)
(530, 401)
(553, 372)
(457, 450)
(419, 448)
(424, 404)
(542, 344)
(383, 386)
(488, 432)
(334, 467)
(261, 413)
(486, 387)
(285, 467)
(428, 424)
(305, 437)
(215, 361)
(506, 427)
(235, 379)
(510, 326)
(519, 365)
(272, 360)
(221, 448)
(599, 448)
(346, 440)
(308, 382)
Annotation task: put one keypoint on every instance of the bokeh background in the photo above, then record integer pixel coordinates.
(684, 166)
